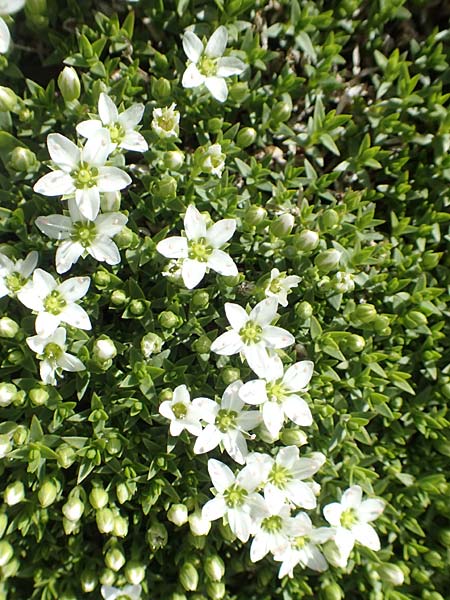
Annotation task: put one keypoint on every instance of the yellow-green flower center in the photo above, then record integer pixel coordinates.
(199, 250)
(226, 419)
(85, 176)
(251, 333)
(179, 410)
(349, 518)
(84, 233)
(15, 281)
(52, 351)
(116, 133)
(275, 285)
(235, 496)
(272, 524)
(275, 391)
(300, 542)
(207, 66)
(123, 597)
(54, 303)
(279, 476)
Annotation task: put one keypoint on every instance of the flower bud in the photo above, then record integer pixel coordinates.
(381, 324)
(8, 328)
(38, 396)
(166, 121)
(8, 392)
(230, 374)
(246, 137)
(98, 497)
(110, 201)
(307, 240)
(169, 320)
(102, 278)
(327, 260)
(199, 525)
(239, 91)
(10, 569)
(120, 526)
(392, 574)
(414, 319)
(66, 456)
(8, 99)
(14, 493)
(73, 509)
(161, 88)
(281, 111)
(332, 592)
(444, 537)
(125, 238)
(23, 160)
(5, 445)
(122, 493)
(177, 596)
(6, 552)
(151, 343)
(47, 493)
(304, 310)
(216, 590)
(255, 215)
(20, 435)
(214, 567)
(157, 536)
(118, 298)
(328, 219)
(282, 225)
(113, 445)
(178, 514)
(364, 313)
(189, 577)
(215, 124)
(3, 523)
(88, 581)
(104, 349)
(343, 282)
(134, 572)
(356, 343)
(166, 188)
(15, 357)
(69, 84)
(105, 520)
(107, 577)
(293, 437)
(114, 559)
(200, 299)
(202, 344)
(173, 159)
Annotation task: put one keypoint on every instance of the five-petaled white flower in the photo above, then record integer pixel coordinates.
(274, 527)
(55, 302)
(208, 65)
(236, 498)
(283, 476)
(81, 172)
(129, 592)
(182, 412)
(350, 520)
(81, 237)
(165, 122)
(121, 126)
(279, 286)
(277, 395)
(200, 249)
(254, 336)
(7, 7)
(226, 424)
(14, 275)
(51, 351)
(302, 549)
(212, 159)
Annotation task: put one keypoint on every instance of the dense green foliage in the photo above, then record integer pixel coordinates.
(349, 101)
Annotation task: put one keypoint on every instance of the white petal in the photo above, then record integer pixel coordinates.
(134, 141)
(37, 343)
(298, 375)
(88, 202)
(257, 358)
(107, 110)
(68, 362)
(97, 149)
(214, 509)
(63, 151)
(89, 128)
(46, 323)
(110, 224)
(236, 315)
(173, 247)
(273, 416)
(29, 264)
(254, 392)
(112, 179)
(217, 87)
(192, 77)
(236, 446)
(227, 344)
(192, 45)
(276, 337)
(297, 410)
(43, 283)
(192, 272)
(275, 497)
(221, 475)
(219, 233)
(249, 420)
(55, 183)
(230, 65)
(288, 457)
(206, 408)
(217, 43)
(59, 337)
(314, 559)
(104, 249)
(366, 535)
(67, 254)
(57, 227)
(352, 497)
(5, 37)
(9, 7)
(75, 316)
(264, 312)
(181, 394)
(260, 546)
(194, 223)
(132, 116)
(240, 523)
(332, 513)
(74, 288)
(47, 372)
(207, 440)
(344, 540)
(230, 397)
(301, 494)
(370, 509)
(221, 263)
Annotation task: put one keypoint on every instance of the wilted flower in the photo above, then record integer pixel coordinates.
(166, 121)
(279, 286)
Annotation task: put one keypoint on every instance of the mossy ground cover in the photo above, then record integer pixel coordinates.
(331, 155)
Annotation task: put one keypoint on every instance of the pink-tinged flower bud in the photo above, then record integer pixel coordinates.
(69, 84)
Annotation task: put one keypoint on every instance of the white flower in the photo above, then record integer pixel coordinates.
(182, 413)
(254, 336)
(81, 172)
(51, 352)
(344, 282)
(277, 395)
(81, 237)
(213, 160)
(273, 530)
(279, 286)
(236, 498)
(7, 7)
(283, 476)
(121, 126)
(227, 423)
(15, 275)
(208, 65)
(166, 121)
(55, 302)
(303, 549)
(200, 249)
(129, 592)
(350, 520)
